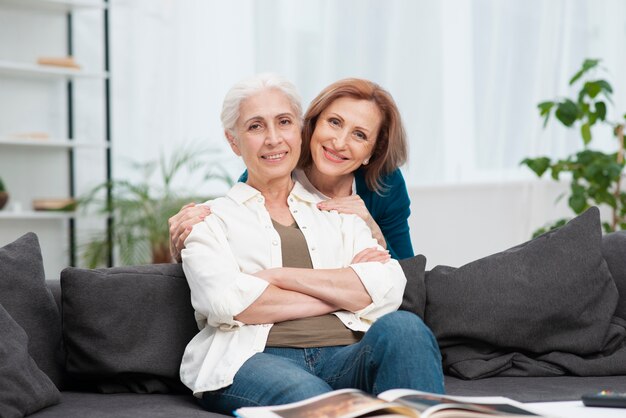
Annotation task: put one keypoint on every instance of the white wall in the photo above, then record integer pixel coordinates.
(453, 225)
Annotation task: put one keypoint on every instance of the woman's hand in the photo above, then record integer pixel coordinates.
(181, 224)
(371, 254)
(355, 205)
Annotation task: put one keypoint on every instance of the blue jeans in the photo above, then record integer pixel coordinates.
(398, 351)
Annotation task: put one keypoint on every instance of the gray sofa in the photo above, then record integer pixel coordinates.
(107, 342)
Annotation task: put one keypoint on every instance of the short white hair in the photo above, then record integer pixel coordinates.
(250, 86)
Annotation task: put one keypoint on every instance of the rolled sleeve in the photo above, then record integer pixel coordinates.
(219, 290)
(384, 283)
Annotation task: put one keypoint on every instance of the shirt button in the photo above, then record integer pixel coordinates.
(350, 323)
(274, 242)
(291, 199)
(312, 248)
(267, 227)
(295, 211)
(260, 200)
(303, 227)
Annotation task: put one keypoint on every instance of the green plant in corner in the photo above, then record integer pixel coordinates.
(596, 177)
(140, 209)
(4, 195)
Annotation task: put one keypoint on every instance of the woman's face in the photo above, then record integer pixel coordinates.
(345, 135)
(267, 136)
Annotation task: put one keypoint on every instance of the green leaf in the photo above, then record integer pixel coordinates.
(588, 64)
(544, 110)
(592, 88)
(605, 86)
(567, 112)
(578, 200)
(556, 170)
(585, 131)
(601, 110)
(544, 107)
(538, 165)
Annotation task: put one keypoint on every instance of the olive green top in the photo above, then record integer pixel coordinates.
(318, 331)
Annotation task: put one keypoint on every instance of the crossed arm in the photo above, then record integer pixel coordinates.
(222, 293)
(296, 293)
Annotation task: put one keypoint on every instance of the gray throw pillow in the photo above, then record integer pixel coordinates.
(126, 328)
(24, 388)
(414, 298)
(553, 293)
(614, 252)
(25, 296)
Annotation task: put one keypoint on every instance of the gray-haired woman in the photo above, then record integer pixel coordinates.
(292, 301)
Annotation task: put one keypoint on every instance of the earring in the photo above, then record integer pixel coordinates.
(366, 161)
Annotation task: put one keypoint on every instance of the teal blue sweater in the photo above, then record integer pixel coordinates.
(390, 210)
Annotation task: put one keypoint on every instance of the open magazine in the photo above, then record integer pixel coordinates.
(350, 403)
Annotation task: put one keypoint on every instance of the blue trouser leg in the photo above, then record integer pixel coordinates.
(398, 351)
(266, 379)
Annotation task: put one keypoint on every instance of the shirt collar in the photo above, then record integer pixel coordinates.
(303, 190)
(301, 177)
(242, 192)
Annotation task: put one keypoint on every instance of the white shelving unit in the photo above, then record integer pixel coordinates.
(56, 5)
(35, 165)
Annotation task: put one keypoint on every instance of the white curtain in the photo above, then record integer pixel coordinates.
(466, 74)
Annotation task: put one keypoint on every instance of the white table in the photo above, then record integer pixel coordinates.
(574, 409)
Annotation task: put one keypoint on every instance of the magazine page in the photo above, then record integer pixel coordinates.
(434, 405)
(345, 403)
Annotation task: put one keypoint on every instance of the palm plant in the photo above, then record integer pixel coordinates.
(139, 210)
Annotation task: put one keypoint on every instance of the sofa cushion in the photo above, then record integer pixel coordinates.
(544, 307)
(614, 252)
(25, 296)
(126, 328)
(24, 388)
(414, 298)
(125, 405)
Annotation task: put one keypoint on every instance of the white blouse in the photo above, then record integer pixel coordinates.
(237, 240)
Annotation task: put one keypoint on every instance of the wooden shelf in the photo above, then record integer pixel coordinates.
(52, 143)
(23, 69)
(33, 215)
(54, 5)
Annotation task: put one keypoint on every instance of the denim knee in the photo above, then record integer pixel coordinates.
(405, 326)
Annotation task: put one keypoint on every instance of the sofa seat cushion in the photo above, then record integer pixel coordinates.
(535, 389)
(125, 328)
(125, 405)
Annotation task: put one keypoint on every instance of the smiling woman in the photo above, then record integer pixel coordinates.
(268, 139)
(353, 144)
(275, 282)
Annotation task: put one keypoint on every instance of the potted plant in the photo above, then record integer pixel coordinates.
(4, 195)
(596, 176)
(139, 210)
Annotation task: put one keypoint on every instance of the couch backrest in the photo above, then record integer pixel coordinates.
(126, 327)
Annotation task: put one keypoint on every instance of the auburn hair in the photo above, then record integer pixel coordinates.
(390, 151)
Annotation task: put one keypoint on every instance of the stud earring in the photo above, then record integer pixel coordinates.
(366, 161)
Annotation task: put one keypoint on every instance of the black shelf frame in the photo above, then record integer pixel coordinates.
(107, 135)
